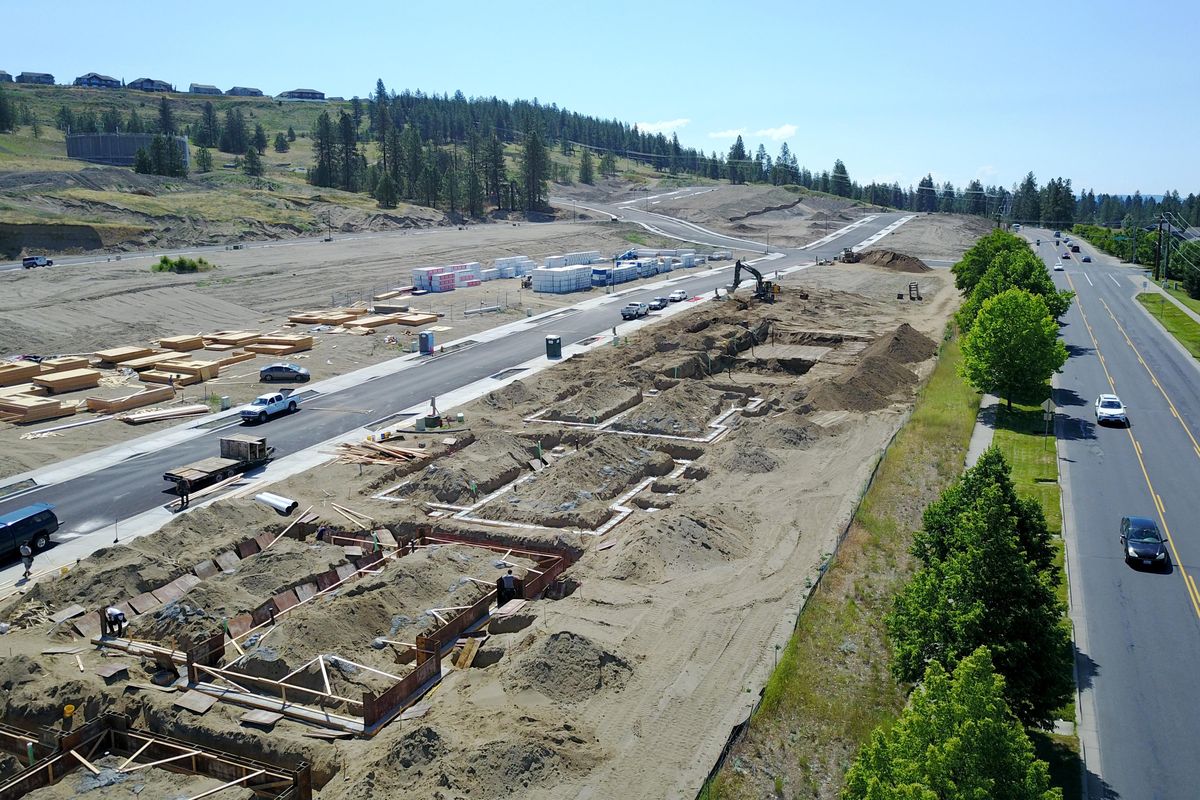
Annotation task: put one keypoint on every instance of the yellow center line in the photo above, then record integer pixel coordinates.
(1188, 582)
(1153, 378)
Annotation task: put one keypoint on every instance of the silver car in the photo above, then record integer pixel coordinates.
(1109, 408)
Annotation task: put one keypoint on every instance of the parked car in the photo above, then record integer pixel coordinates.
(658, 303)
(29, 262)
(33, 524)
(283, 371)
(635, 310)
(266, 406)
(1142, 543)
(1058, 267)
(677, 296)
(1086, 259)
(1109, 408)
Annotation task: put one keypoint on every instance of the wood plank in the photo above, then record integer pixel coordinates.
(328, 734)
(87, 626)
(67, 613)
(260, 717)
(416, 712)
(62, 651)
(198, 702)
(468, 654)
(206, 569)
(227, 561)
(511, 607)
(91, 767)
(607, 545)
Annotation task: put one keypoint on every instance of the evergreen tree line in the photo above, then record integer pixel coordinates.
(163, 157)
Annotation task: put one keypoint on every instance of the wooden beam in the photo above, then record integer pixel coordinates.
(91, 767)
(324, 673)
(229, 785)
(351, 519)
(188, 754)
(365, 667)
(358, 514)
(283, 533)
(133, 757)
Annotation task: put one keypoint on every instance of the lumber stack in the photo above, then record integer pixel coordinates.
(235, 358)
(150, 361)
(306, 317)
(369, 452)
(145, 397)
(205, 370)
(182, 343)
(64, 363)
(281, 344)
(22, 388)
(68, 381)
(161, 376)
(376, 321)
(158, 415)
(417, 319)
(119, 355)
(235, 338)
(18, 372)
(23, 408)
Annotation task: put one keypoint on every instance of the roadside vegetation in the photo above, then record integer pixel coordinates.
(1185, 329)
(181, 265)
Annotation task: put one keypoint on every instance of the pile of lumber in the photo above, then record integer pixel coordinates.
(205, 370)
(119, 355)
(22, 388)
(234, 358)
(158, 415)
(18, 372)
(417, 319)
(332, 316)
(281, 344)
(68, 381)
(23, 408)
(162, 376)
(64, 363)
(369, 452)
(375, 321)
(235, 338)
(182, 343)
(145, 397)
(149, 361)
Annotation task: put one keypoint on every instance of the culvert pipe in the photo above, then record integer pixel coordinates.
(282, 505)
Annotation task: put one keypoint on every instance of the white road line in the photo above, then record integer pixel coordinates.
(870, 240)
(1117, 282)
(1089, 279)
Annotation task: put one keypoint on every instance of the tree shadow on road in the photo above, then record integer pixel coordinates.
(1068, 397)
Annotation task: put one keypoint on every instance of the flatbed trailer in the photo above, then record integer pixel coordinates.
(239, 453)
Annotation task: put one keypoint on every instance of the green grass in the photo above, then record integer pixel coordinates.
(1180, 325)
(1172, 288)
(833, 684)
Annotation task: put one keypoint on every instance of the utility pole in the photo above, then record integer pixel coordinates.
(1167, 260)
(1158, 249)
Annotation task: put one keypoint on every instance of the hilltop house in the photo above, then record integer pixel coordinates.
(303, 94)
(36, 77)
(245, 91)
(150, 85)
(5, 77)
(203, 88)
(97, 81)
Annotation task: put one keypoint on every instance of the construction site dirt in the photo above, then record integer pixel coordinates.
(664, 503)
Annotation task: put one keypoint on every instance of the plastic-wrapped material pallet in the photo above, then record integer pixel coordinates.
(554, 262)
(507, 271)
(489, 274)
(688, 259)
(561, 280)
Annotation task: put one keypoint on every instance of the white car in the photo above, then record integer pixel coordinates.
(677, 296)
(1058, 267)
(1109, 408)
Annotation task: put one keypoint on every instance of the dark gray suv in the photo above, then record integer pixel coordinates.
(32, 524)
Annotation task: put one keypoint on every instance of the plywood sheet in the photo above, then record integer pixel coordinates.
(195, 701)
(260, 717)
(206, 569)
(248, 548)
(145, 603)
(227, 561)
(67, 613)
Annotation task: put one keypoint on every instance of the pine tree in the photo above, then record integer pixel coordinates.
(736, 163)
(252, 164)
(385, 191)
(347, 148)
(535, 171)
(281, 143)
(234, 138)
(291, 134)
(135, 124)
(839, 180)
(8, 116)
(587, 170)
(110, 121)
(209, 132)
(494, 170)
(166, 117)
(323, 152)
(142, 163)
(203, 160)
(260, 139)
(608, 165)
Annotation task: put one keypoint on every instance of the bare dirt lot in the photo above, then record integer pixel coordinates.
(730, 481)
(937, 236)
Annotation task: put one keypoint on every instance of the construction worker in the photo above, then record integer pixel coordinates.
(26, 558)
(506, 588)
(184, 488)
(114, 622)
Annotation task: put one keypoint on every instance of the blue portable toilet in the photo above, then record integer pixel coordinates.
(426, 342)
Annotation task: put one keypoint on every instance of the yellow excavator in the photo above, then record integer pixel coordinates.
(764, 290)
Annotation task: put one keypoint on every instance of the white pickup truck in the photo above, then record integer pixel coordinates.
(635, 310)
(268, 405)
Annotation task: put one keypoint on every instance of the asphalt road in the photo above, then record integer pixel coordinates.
(1138, 631)
(90, 502)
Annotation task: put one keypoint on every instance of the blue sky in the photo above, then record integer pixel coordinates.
(1102, 92)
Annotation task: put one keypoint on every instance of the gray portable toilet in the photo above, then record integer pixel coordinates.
(426, 340)
(553, 347)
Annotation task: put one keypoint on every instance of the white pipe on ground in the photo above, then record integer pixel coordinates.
(283, 505)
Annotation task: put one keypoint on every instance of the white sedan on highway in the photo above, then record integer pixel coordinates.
(1058, 267)
(1109, 408)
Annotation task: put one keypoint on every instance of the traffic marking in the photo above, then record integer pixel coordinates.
(1089, 279)
(1114, 280)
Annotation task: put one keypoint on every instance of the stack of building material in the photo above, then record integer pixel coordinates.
(466, 274)
(425, 277)
(489, 274)
(145, 397)
(159, 415)
(415, 319)
(119, 355)
(388, 295)
(205, 370)
(391, 308)
(234, 358)
(235, 338)
(375, 321)
(64, 363)
(23, 408)
(68, 381)
(621, 272)
(514, 266)
(173, 378)
(18, 372)
(22, 388)
(150, 361)
(561, 280)
(183, 343)
(306, 317)
(281, 344)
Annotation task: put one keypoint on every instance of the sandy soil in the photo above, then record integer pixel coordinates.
(109, 784)
(937, 236)
(635, 678)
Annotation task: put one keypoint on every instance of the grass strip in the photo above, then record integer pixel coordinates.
(1185, 329)
(833, 684)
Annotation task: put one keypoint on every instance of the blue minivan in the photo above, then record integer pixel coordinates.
(33, 524)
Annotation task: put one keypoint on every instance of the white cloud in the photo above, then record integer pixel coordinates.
(732, 133)
(664, 126)
(985, 172)
(778, 134)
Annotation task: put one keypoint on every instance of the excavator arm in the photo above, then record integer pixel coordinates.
(737, 275)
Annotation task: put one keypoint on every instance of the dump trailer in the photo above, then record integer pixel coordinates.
(238, 454)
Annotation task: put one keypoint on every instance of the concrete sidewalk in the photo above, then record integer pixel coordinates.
(1154, 288)
(985, 429)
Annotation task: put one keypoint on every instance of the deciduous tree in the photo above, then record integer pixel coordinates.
(1013, 347)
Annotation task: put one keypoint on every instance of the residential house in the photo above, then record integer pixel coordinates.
(245, 91)
(303, 94)
(97, 81)
(203, 88)
(5, 77)
(151, 85)
(36, 77)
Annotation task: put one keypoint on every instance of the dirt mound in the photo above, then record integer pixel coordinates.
(890, 259)
(509, 397)
(598, 401)
(568, 668)
(869, 386)
(674, 542)
(481, 467)
(905, 344)
(750, 461)
(682, 411)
